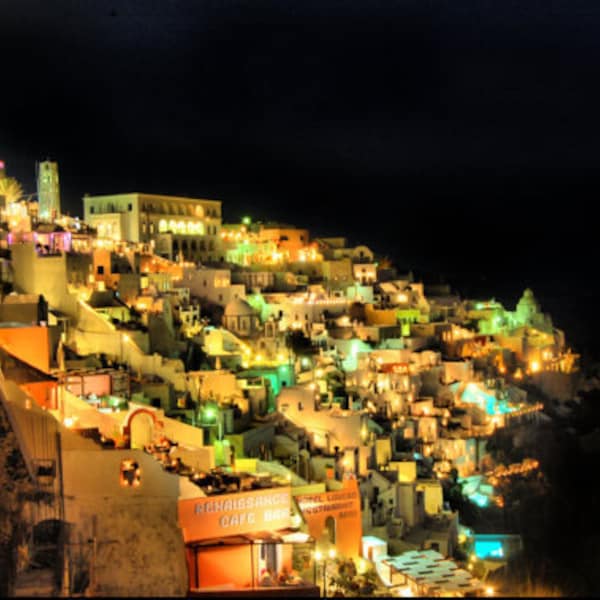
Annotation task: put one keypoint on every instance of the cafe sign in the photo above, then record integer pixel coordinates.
(235, 514)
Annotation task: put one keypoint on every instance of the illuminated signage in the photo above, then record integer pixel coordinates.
(340, 508)
(235, 514)
(344, 503)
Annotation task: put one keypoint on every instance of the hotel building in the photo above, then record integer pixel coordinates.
(176, 226)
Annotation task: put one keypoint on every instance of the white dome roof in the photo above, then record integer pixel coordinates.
(238, 308)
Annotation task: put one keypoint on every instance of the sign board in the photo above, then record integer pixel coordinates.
(341, 506)
(235, 514)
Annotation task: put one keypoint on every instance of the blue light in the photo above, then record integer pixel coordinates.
(479, 499)
(488, 402)
(489, 549)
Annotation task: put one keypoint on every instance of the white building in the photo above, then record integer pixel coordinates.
(189, 226)
(213, 285)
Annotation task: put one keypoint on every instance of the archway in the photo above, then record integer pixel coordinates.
(330, 529)
(140, 427)
(141, 431)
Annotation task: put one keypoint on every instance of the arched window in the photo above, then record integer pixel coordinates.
(331, 533)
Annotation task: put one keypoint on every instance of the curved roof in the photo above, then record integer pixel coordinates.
(238, 308)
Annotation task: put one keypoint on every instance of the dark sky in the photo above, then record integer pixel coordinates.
(460, 136)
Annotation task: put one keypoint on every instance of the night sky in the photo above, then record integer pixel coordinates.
(457, 137)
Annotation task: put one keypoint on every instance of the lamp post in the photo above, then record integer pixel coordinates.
(319, 556)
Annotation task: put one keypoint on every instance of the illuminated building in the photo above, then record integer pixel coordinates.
(48, 191)
(240, 318)
(290, 240)
(251, 529)
(213, 285)
(186, 227)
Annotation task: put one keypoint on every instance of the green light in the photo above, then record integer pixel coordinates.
(209, 413)
(246, 220)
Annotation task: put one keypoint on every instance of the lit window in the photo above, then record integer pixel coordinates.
(130, 473)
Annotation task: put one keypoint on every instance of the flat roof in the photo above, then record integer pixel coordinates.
(157, 196)
(432, 569)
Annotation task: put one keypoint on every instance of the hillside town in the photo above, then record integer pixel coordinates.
(195, 407)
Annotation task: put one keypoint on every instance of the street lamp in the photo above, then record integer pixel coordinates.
(212, 416)
(319, 556)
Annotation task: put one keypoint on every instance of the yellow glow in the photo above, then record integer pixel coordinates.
(319, 373)
(69, 421)
(126, 338)
(534, 366)
(318, 555)
(332, 553)
(489, 591)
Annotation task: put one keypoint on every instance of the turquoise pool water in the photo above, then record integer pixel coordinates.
(489, 549)
(473, 394)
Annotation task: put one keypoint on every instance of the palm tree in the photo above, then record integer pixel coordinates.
(11, 189)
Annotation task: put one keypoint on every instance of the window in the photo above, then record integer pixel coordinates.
(130, 207)
(300, 407)
(92, 210)
(45, 470)
(100, 270)
(130, 473)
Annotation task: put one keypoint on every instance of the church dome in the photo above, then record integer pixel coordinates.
(238, 308)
